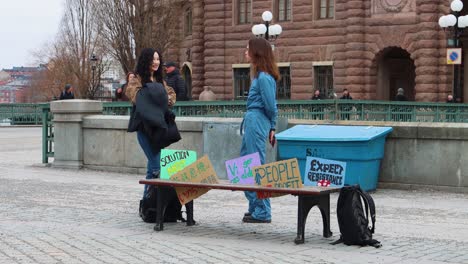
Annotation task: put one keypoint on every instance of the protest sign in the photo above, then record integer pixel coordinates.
(201, 171)
(324, 172)
(173, 161)
(240, 170)
(280, 174)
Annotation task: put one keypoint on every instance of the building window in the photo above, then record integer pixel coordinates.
(284, 84)
(244, 9)
(283, 10)
(326, 9)
(241, 82)
(188, 22)
(323, 80)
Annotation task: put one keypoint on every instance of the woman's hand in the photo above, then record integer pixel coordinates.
(272, 138)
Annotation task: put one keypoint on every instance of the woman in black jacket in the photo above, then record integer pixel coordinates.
(150, 116)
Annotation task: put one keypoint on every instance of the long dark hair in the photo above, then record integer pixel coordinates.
(143, 65)
(262, 57)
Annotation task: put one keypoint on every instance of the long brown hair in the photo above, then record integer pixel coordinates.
(262, 57)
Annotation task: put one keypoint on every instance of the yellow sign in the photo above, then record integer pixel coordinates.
(201, 171)
(454, 56)
(280, 174)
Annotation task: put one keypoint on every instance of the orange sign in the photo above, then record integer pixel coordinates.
(280, 174)
(201, 171)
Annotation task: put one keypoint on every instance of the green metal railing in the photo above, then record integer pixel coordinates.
(20, 114)
(307, 109)
(323, 110)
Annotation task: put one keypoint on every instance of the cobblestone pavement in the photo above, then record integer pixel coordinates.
(63, 216)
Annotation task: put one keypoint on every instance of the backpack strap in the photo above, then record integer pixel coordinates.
(370, 206)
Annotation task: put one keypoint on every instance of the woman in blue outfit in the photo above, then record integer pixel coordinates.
(260, 120)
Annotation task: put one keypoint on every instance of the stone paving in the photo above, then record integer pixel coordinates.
(50, 215)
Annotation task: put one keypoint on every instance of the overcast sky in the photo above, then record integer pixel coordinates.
(25, 26)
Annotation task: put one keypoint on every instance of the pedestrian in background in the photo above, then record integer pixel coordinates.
(174, 80)
(400, 95)
(120, 92)
(317, 95)
(67, 93)
(450, 99)
(346, 108)
(259, 122)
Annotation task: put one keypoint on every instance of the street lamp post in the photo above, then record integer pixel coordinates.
(455, 23)
(94, 60)
(269, 32)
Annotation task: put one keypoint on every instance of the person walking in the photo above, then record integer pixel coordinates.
(174, 80)
(67, 93)
(260, 119)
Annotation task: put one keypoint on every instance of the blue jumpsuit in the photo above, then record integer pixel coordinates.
(260, 118)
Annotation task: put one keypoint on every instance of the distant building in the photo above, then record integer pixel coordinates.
(14, 82)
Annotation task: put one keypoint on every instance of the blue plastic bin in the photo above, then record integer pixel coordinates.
(361, 147)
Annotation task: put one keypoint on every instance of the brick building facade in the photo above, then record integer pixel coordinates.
(370, 47)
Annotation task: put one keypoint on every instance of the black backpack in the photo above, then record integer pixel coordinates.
(353, 219)
(148, 205)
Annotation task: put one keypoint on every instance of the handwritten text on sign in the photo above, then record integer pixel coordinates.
(201, 171)
(324, 172)
(280, 174)
(240, 170)
(173, 161)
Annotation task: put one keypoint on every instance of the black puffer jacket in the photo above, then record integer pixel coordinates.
(175, 81)
(152, 116)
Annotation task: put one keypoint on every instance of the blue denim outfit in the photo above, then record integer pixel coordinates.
(154, 159)
(260, 118)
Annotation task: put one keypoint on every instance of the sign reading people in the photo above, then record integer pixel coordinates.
(240, 170)
(201, 171)
(280, 174)
(324, 172)
(173, 161)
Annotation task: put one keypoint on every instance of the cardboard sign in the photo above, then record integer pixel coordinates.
(173, 161)
(201, 171)
(240, 170)
(324, 172)
(280, 174)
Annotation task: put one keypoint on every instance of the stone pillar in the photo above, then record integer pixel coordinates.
(356, 64)
(68, 131)
(198, 61)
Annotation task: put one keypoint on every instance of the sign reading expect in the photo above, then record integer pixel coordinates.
(201, 171)
(240, 170)
(324, 172)
(280, 174)
(173, 161)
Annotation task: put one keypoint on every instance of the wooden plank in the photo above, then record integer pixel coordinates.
(225, 185)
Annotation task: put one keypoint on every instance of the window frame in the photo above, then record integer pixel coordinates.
(188, 22)
(241, 91)
(327, 77)
(247, 10)
(287, 16)
(283, 91)
(329, 9)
